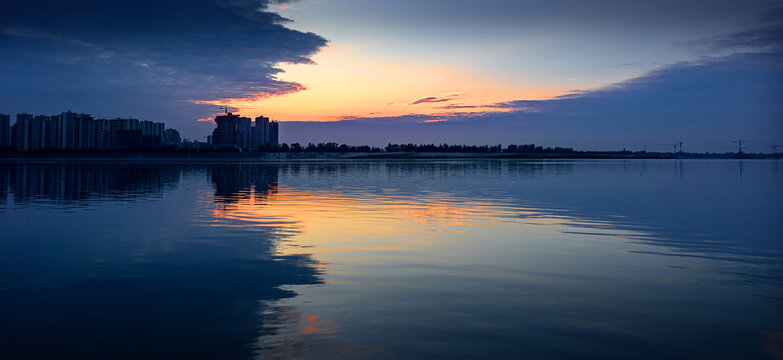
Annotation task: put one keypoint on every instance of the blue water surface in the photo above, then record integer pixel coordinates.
(635, 259)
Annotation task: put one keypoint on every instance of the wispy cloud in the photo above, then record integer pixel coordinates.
(437, 99)
(430, 99)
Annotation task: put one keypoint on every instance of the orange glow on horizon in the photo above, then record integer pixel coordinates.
(347, 83)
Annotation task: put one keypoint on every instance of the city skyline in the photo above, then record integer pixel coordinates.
(79, 131)
(70, 131)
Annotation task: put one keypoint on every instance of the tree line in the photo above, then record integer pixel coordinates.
(445, 148)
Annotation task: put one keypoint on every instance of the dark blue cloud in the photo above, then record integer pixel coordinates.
(105, 56)
(705, 104)
(765, 35)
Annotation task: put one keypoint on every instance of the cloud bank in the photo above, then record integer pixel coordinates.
(144, 56)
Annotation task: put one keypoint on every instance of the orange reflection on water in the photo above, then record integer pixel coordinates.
(317, 325)
(339, 222)
(292, 334)
(320, 266)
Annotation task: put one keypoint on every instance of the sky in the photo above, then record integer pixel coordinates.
(585, 74)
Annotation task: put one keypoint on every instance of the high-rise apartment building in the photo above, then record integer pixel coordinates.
(50, 142)
(151, 133)
(38, 132)
(73, 131)
(22, 133)
(5, 131)
(124, 133)
(244, 132)
(226, 132)
(261, 132)
(233, 130)
(273, 135)
(82, 133)
(171, 137)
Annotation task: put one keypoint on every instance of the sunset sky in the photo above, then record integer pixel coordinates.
(586, 74)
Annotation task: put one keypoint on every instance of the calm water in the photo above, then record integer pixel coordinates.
(393, 259)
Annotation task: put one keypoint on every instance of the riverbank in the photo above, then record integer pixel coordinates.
(308, 156)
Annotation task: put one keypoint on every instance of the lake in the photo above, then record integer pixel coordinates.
(399, 259)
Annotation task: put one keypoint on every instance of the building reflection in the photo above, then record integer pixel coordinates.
(233, 181)
(76, 183)
(123, 287)
(70, 183)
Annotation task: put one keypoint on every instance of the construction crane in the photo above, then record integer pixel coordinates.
(740, 147)
(739, 150)
(224, 107)
(675, 144)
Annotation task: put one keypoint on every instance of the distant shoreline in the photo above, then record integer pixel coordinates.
(277, 157)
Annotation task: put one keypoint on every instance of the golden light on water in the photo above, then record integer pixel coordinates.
(345, 227)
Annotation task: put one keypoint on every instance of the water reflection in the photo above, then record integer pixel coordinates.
(397, 259)
(136, 280)
(233, 181)
(75, 184)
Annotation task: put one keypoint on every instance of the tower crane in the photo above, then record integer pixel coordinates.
(675, 145)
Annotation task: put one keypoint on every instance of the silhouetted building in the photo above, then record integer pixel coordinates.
(5, 131)
(128, 138)
(102, 133)
(152, 128)
(240, 132)
(65, 130)
(151, 133)
(261, 132)
(83, 134)
(265, 134)
(171, 137)
(72, 131)
(232, 130)
(197, 145)
(37, 134)
(273, 135)
(117, 125)
(226, 131)
(51, 132)
(23, 131)
(245, 132)
(151, 141)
